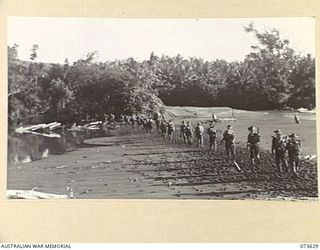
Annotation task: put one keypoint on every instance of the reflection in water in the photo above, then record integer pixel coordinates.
(24, 148)
(26, 160)
(45, 153)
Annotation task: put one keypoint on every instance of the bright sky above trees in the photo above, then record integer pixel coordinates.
(210, 39)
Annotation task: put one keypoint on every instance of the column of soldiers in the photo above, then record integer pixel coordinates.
(281, 144)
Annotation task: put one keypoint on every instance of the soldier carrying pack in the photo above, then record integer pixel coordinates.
(278, 149)
(252, 142)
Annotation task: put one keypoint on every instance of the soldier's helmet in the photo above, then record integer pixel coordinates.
(252, 129)
(277, 132)
(293, 135)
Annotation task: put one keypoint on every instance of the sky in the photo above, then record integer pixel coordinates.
(120, 38)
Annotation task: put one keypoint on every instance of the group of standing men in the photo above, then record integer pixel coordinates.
(281, 144)
(187, 131)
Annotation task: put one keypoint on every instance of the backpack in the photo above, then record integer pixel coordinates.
(198, 130)
(149, 124)
(188, 130)
(171, 127)
(163, 126)
(183, 128)
(279, 144)
(293, 147)
(254, 138)
(212, 132)
(229, 136)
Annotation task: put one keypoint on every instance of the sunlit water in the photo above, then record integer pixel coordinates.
(26, 148)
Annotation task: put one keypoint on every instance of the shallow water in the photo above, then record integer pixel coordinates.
(25, 148)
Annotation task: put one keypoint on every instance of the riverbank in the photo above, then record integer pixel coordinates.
(134, 165)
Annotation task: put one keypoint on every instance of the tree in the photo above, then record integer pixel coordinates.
(303, 81)
(273, 62)
(271, 76)
(23, 100)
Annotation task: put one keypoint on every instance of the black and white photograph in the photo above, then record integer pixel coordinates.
(160, 108)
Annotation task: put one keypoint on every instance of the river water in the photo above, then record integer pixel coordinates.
(24, 148)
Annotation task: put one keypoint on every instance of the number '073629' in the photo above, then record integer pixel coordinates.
(313, 246)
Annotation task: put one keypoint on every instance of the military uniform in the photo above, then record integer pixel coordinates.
(293, 147)
(199, 134)
(183, 131)
(163, 127)
(158, 123)
(132, 121)
(149, 125)
(229, 138)
(170, 130)
(279, 149)
(212, 132)
(253, 144)
(189, 132)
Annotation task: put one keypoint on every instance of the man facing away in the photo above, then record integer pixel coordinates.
(212, 132)
(149, 125)
(189, 132)
(278, 149)
(253, 144)
(199, 134)
(293, 147)
(158, 123)
(183, 131)
(163, 128)
(170, 130)
(229, 138)
(132, 121)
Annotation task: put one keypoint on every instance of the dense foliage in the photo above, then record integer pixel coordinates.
(271, 76)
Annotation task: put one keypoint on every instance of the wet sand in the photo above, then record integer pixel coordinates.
(135, 165)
